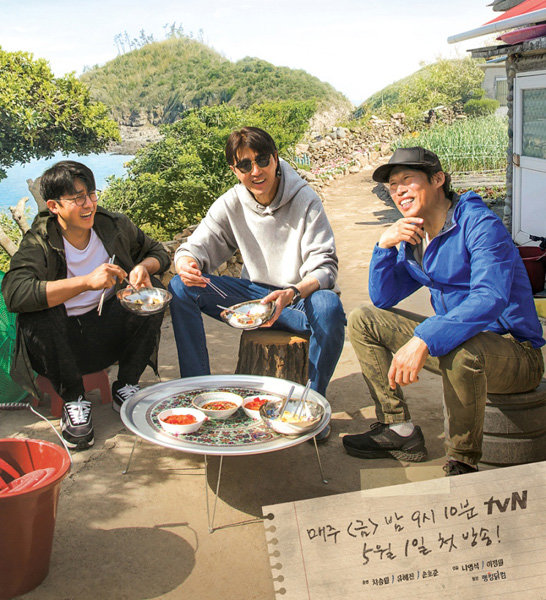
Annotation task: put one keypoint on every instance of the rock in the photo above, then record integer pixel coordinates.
(363, 160)
(354, 169)
(386, 149)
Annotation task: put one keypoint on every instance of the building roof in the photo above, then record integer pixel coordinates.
(529, 12)
(523, 8)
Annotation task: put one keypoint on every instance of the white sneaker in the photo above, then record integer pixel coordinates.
(122, 393)
(76, 424)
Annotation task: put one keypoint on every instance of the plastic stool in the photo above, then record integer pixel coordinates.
(92, 381)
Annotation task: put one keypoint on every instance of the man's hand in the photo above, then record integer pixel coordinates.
(187, 268)
(407, 363)
(408, 229)
(140, 277)
(282, 298)
(103, 277)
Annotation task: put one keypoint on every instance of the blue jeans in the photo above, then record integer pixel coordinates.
(320, 315)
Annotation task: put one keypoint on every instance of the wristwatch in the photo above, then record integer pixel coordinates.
(297, 294)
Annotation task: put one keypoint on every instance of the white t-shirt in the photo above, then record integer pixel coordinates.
(82, 262)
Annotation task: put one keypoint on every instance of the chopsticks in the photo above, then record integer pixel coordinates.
(101, 301)
(126, 280)
(220, 292)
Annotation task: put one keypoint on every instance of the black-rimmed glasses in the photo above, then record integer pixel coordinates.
(79, 199)
(245, 165)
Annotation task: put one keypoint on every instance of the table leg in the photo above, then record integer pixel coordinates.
(126, 470)
(211, 521)
(324, 480)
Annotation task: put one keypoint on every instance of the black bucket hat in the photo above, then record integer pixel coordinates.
(414, 158)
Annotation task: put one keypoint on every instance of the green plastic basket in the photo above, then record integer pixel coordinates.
(10, 392)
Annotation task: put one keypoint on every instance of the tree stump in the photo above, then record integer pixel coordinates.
(275, 354)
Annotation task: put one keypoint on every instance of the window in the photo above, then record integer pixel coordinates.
(501, 90)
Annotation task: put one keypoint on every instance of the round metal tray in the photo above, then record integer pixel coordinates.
(237, 435)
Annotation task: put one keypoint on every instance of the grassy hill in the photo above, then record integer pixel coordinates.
(164, 79)
(445, 82)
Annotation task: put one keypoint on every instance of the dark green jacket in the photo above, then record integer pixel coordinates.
(41, 258)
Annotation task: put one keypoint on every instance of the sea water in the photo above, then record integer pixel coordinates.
(15, 187)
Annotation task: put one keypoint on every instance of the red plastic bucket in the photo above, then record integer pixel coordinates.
(534, 259)
(27, 513)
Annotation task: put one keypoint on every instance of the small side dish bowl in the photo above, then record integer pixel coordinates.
(287, 423)
(218, 405)
(168, 420)
(252, 404)
(248, 315)
(145, 302)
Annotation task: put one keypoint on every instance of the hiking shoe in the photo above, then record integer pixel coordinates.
(121, 393)
(455, 467)
(76, 424)
(383, 442)
(322, 437)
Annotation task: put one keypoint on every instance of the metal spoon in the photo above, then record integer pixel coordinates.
(237, 312)
(286, 400)
(298, 411)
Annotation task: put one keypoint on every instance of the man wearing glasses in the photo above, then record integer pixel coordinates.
(74, 253)
(279, 225)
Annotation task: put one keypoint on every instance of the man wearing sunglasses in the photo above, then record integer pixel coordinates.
(75, 253)
(279, 225)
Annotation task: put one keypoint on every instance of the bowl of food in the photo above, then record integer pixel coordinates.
(181, 420)
(295, 419)
(252, 404)
(218, 405)
(248, 315)
(144, 302)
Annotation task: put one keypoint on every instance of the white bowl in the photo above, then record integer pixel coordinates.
(255, 414)
(178, 429)
(206, 397)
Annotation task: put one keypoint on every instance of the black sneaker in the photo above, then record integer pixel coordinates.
(121, 393)
(383, 442)
(76, 424)
(455, 467)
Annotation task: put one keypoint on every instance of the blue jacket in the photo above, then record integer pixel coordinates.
(476, 279)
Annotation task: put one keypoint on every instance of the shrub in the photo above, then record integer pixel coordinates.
(11, 229)
(481, 107)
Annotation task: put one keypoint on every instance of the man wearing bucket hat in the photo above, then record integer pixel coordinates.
(485, 335)
(67, 266)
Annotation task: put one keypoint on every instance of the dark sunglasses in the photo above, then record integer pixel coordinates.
(245, 165)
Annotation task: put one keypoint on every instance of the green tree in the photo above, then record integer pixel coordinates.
(41, 114)
(172, 183)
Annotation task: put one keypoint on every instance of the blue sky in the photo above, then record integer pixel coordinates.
(359, 46)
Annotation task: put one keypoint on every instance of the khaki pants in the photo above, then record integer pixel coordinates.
(488, 362)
